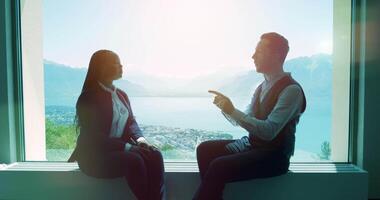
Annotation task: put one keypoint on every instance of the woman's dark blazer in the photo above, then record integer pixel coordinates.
(94, 111)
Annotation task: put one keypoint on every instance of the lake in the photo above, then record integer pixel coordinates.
(200, 113)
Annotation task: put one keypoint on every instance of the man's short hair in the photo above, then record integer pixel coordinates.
(277, 43)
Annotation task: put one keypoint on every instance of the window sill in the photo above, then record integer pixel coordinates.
(186, 167)
(59, 180)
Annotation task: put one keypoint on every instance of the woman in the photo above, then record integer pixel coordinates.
(110, 143)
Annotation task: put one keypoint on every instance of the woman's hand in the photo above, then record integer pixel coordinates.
(136, 148)
(142, 142)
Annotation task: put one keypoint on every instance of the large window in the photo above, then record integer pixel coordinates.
(173, 52)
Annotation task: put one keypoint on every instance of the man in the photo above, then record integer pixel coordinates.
(270, 120)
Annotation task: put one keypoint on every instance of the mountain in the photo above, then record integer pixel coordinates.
(63, 84)
(313, 73)
(244, 84)
(196, 87)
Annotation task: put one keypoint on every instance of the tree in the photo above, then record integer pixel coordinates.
(325, 151)
(60, 136)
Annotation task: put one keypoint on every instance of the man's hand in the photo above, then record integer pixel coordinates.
(223, 102)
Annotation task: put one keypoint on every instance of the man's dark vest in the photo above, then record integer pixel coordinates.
(285, 139)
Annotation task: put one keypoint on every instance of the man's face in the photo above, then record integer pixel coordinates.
(263, 57)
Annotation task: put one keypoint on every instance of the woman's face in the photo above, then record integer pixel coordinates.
(113, 69)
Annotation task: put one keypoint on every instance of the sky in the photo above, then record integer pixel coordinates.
(182, 38)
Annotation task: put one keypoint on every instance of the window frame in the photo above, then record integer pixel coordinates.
(13, 93)
(357, 77)
(18, 111)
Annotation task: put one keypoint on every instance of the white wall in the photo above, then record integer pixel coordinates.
(341, 80)
(33, 79)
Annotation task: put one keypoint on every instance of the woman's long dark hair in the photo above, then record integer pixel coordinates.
(96, 68)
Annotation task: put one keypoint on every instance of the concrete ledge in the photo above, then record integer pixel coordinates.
(47, 180)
